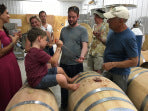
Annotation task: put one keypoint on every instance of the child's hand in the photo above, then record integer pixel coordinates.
(59, 43)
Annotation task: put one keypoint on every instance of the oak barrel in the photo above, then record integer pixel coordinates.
(144, 59)
(29, 99)
(97, 93)
(145, 44)
(138, 88)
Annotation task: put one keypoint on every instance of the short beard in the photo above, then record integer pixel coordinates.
(73, 24)
(44, 21)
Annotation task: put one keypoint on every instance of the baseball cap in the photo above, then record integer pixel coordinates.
(120, 12)
(99, 14)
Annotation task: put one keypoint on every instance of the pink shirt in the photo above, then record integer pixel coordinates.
(36, 65)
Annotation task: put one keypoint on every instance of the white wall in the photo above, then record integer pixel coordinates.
(52, 7)
(55, 7)
(135, 13)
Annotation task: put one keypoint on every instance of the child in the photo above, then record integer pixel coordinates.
(38, 75)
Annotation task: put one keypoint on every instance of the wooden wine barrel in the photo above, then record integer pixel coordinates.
(29, 99)
(138, 88)
(145, 44)
(97, 93)
(144, 59)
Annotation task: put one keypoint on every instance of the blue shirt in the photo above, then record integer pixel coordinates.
(120, 47)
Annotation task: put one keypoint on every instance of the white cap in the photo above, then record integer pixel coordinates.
(120, 12)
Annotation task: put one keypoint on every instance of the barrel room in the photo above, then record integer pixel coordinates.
(73, 55)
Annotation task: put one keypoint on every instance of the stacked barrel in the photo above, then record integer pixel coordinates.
(138, 88)
(97, 93)
(144, 59)
(29, 99)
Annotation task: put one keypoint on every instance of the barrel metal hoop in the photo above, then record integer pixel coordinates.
(104, 100)
(120, 109)
(95, 91)
(86, 77)
(143, 59)
(136, 76)
(139, 68)
(31, 102)
(144, 103)
(85, 73)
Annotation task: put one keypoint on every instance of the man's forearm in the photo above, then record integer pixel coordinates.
(84, 49)
(121, 64)
(127, 63)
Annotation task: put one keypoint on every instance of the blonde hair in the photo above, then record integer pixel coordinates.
(34, 17)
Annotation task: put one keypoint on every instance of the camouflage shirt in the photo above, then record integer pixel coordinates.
(97, 47)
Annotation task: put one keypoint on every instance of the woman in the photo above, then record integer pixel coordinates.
(36, 23)
(10, 75)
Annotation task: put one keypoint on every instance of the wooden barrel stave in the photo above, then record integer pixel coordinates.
(87, 85)
(29, 99)
(144, 59)
(137, 87)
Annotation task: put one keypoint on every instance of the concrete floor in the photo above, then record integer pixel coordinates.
(56, 89)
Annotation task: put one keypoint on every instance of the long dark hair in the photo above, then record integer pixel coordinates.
(2, 10)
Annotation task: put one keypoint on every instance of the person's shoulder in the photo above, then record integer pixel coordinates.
(111, 31)
(130, 32)
(65, 28)
(129, 35)
(49, 25)
(35, 50)
(82, 27)
(1, 32)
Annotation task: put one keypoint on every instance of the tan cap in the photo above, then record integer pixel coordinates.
(120, 12)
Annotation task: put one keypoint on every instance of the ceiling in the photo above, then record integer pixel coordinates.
(28, 0)
(71, 0)
(129, 6)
